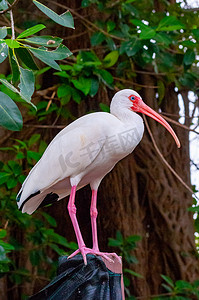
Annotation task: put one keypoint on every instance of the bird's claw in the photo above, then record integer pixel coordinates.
(85, 250)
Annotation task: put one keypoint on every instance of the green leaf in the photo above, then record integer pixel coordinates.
(181, 284)
(2, 233)
(111, 59)
(34, 138)
(189, 57)
(10, 116)
(76, 95)
(83, 84)
(85, 3)
(105, 76)
(12, 43)
(50, 219)
(133, 273)
(45, 40)
(21, 143)
(3, 5)
(49, 57)
(170, 23)
(5, 149)
(33, 155)
(193, 209)
(35, 257)
(110, 43)
(58, 239)
(27, 83)
(31, 31)
(58, 250)
(188, 44)
(62, 74)
(3, 52)
(86, 56)
(66, 67)
(8, 247)
(187, 79)
(130, 47)
(167, 288)
(12, 88)
(21, 178)
(11, 183)
(129, 1)
(94, 86)
(119, 236)
(137, 22)
(97, 38)
(42, 71)
(147, 33)
(64, 100)
(3, 32)
(133, 238)
(4, 177)
(168, 280)
(110, 25)
(59, 53)
(26, 58)
(63, 90)
(15, 167)
(64, 19)
(104, 107)
(161, 90)
(9, 86)
(20, 155)
(196, 33)
(114, 242)
(14, 67)
(49, 62)
(163, 38)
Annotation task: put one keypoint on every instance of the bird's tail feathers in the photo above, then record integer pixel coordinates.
(32, 203)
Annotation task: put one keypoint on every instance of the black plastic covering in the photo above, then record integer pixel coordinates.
(76, 281)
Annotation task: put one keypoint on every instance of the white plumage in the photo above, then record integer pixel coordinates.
(83, 153)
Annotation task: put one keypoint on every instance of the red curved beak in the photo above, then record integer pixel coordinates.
(145, 109)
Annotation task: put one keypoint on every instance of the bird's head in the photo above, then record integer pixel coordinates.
(130, 99)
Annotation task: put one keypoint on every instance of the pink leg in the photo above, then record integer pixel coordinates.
(72, 214)
(82, 248)
(93, 214)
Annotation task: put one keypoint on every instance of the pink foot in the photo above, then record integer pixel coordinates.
(85, 250)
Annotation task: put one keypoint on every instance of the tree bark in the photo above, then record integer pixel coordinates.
(140, 196)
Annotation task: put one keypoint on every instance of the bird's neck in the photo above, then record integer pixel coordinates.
(125, 115)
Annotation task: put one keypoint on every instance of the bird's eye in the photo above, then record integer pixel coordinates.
(132, 98)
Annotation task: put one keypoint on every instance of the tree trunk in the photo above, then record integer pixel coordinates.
(140, 196)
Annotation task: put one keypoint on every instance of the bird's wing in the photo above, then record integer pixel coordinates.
(68, 155)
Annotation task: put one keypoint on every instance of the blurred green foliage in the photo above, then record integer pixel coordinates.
(179, 290)
(39, 230)
(126, 247)
(133, 37)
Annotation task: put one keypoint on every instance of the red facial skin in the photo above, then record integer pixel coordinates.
(136, 102)
(139, 106)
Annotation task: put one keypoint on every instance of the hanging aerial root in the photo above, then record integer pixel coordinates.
(164, 160)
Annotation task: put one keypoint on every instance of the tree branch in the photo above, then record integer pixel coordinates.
(179, 124)
(44, 126)
(87, 21)
(136, 84)
(12, 24)
(10, 7)
(164, 160)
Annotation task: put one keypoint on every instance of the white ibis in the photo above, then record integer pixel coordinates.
(83, 153)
